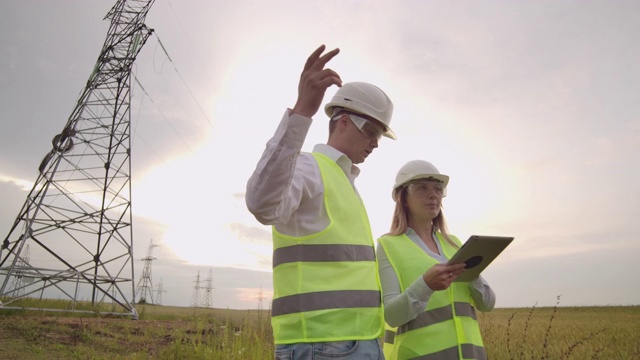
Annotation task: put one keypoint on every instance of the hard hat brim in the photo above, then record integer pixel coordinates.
(330, 110)
(441, 177)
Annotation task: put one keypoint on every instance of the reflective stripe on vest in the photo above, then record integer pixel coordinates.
(434, 316)
(469, 351)
(448, 327)
(323, 253)
(388, 340)
(326, 285)
(324, 300)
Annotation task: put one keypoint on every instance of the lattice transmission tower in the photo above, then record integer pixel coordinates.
(195, 296)
(77, 217)
(208, 290)
(144, 291)
(260, 298)
(159, 292)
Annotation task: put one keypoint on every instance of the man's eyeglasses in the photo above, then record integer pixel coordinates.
(425, 188)
(366, 127)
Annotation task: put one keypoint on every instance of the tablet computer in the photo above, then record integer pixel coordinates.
(477, 253)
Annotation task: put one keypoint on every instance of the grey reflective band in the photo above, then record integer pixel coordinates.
(435, 316)
(465, 309)
(323, 253)
(469, 351)
(389, 337)
(324, 300)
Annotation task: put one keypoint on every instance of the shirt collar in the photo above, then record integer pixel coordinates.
(340, 158)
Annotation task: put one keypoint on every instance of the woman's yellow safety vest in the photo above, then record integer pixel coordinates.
(326, 285)
(447, 329)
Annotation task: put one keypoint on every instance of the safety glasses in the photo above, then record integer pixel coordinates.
(366, 127)
(426, 188)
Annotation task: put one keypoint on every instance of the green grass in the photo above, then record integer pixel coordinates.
(165, 332)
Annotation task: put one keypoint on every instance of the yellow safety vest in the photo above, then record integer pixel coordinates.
(326, 285)
(448, 328)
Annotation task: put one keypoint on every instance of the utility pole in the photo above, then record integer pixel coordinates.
(77, 217)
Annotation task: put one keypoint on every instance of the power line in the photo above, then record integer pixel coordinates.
(187, 36)
(163, 116)
(183, 81)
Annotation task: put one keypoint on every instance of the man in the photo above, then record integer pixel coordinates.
(327, 297)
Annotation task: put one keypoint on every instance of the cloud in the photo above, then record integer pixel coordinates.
(530, 107)
(23, 185)
(251, 233)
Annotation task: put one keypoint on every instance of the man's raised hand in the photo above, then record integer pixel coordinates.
(314, 82)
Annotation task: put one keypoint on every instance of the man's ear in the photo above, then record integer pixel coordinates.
(342, 122)
(339, 129)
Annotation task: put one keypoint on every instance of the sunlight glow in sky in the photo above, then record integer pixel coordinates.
(530, 107)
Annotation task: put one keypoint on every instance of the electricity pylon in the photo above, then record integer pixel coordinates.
(159, 292)
(145, 285)
(195, 296)
(260, 298)
(77, 217)
(208, 290)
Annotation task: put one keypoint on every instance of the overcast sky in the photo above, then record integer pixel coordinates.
(531, 107)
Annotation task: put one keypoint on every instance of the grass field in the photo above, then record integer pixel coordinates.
(562, 333)
(164, 332)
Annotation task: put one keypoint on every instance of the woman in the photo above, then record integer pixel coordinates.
(427, 313)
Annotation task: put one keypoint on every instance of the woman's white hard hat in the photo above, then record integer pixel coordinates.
(366, 99)
(414, 170)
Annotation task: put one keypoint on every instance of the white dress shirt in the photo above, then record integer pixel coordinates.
(286, 187)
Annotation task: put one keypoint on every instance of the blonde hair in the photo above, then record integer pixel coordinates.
(400, 222)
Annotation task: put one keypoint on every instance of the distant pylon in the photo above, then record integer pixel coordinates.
(78, 213)
(145, 285)
(260, 298)
(159, 292)
(195, 296)
(208, 290)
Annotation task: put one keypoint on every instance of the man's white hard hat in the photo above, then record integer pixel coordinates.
(364, 98)
(417, 169)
